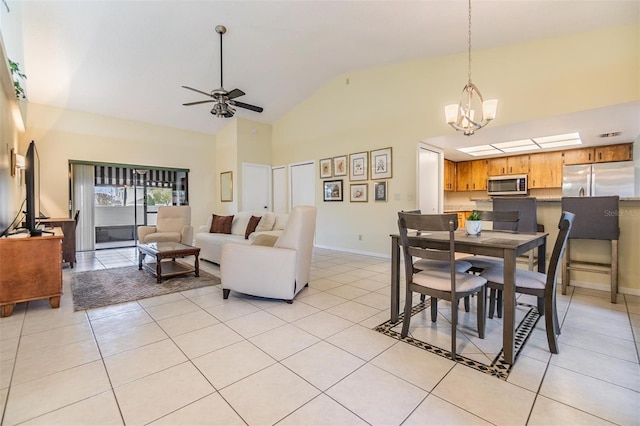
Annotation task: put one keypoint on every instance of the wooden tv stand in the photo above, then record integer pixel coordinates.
(30, 269)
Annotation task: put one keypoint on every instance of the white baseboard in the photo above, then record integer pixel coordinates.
(365, 253)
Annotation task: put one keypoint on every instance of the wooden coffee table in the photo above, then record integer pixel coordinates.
(171, 251)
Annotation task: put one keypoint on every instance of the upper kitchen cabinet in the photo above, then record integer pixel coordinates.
(623, 152)
(471, 175)
(514, 165)
(600, 154)
(579, 156)
(449, 175)
(545, 170)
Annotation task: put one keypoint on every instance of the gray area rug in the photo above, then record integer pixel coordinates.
(95, 289)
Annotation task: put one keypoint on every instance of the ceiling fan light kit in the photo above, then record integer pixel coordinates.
(462, 116)
(224, 101)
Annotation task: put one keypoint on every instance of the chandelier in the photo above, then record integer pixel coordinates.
(462, 116)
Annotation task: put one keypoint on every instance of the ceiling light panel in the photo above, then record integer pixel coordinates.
(531, 147)
(557, 138)
(510, 144)
(562, 143)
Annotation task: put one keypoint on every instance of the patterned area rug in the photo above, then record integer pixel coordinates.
(95, 289)
(497, 368)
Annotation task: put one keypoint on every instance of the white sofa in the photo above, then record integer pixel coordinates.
(211, 243)
(277, 272)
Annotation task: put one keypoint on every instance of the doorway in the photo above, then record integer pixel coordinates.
(256, 187)
(114, 200)
(430, 179)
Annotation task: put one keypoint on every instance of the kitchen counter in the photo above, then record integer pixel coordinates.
(549, 200)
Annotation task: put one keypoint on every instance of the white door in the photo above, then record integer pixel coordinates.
(279, 179)
(430, 179)
(256, 187)
(303, 184)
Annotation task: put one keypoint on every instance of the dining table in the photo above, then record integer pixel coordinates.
(507, 245)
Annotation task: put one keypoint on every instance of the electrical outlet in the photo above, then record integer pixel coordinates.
(359, 237)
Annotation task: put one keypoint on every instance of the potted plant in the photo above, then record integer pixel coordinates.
(473, 225)
(16, 74)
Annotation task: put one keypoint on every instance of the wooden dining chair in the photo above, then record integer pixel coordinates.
(503, 220)
(543, 286)
(436, 282)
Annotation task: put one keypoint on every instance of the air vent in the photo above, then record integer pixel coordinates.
(609, 135)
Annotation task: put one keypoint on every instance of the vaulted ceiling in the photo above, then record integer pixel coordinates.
(128, 59)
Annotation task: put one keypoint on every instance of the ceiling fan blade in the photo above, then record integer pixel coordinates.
(199, 91)
(198, 102)
(247, 106)
(235, 93)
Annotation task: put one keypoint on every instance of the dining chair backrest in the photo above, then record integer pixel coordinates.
(502, 220)
(527, 208)
(419, 223)
(565, 224)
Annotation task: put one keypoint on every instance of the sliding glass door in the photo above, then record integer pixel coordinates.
(123, 197)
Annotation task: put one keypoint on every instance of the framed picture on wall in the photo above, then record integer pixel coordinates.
(358, 192)
(226, 186)
(380, 191)
(340, 165)
(332, 190)
(358, 166)
(381, 164)
(325, 168)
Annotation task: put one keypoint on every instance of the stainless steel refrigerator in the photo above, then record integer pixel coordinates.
(600, 179)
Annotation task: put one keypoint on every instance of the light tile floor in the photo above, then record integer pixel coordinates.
(194, 358)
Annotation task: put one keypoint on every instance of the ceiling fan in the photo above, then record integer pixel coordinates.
(224, 101)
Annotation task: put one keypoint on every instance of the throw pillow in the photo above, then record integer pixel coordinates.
(265, 240)
(251, 226)
(266, 223)
(281, 222)
(221, 224)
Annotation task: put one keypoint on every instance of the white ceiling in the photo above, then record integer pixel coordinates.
(128, 59)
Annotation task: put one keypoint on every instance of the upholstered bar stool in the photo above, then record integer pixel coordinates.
(596, 219)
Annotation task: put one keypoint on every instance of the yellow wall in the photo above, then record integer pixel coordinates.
(63, 135)
(402, 104)
(12, 191)
(226, 159)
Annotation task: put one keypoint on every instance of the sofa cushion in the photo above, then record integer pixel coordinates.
(264, 240)
(251, 226)
(162, 237)
(267, 222)
(221, 224)
(281, 221)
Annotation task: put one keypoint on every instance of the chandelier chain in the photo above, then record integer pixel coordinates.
(469, 44)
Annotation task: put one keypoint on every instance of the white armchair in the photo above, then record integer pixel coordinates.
(173, 225)
(277, 272)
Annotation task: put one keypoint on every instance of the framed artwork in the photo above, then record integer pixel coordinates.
(380, 191)
(359, 192)
(381, 164)
(325, 168)
(358, 166)
(340, 165)
(332, 190)
(226, 186)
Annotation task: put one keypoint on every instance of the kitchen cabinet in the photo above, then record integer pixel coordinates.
(514, 165)
(449, 175)
(545, 170)
(471, 175)
(600, 154)
(579, 156)
(622, 152)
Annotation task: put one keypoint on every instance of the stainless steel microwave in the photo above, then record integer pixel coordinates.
(507, 185)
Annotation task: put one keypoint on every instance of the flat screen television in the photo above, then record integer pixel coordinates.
(30, 179)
